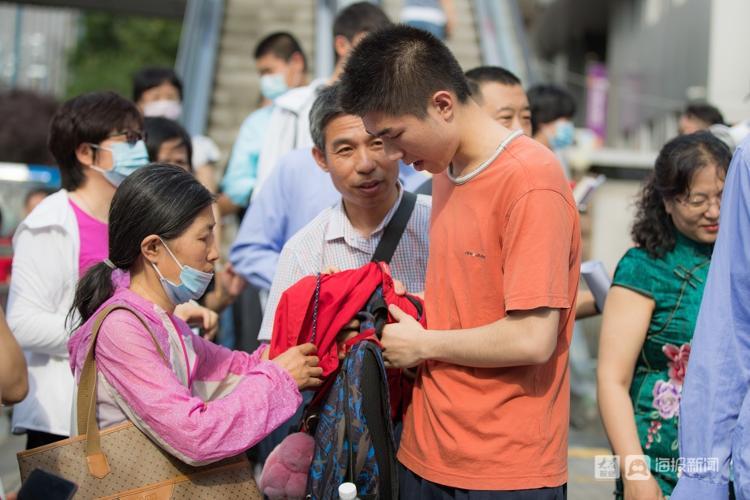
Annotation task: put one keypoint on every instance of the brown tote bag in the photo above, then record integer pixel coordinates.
(123, 463)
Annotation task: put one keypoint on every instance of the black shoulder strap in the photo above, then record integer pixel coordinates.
(395, 228)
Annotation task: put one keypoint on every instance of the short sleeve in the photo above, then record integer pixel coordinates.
(540, 246)
(635, 272)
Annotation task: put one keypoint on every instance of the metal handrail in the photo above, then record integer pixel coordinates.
(502, 37)
(196, 60)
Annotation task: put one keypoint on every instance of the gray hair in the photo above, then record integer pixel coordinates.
(325, 108)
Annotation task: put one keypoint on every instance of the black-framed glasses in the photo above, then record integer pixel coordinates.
(131, 136)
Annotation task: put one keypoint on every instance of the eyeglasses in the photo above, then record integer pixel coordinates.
(131, 136)
(700, 202)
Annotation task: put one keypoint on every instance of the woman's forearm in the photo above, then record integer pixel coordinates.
(14, 382)
(618, 417)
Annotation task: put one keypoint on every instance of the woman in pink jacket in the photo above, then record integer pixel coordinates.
(206, 402)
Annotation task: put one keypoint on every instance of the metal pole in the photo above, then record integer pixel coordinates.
(324, 62)
(196, 58)
(17, 46)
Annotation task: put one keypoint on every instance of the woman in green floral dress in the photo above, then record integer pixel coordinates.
(650, 313)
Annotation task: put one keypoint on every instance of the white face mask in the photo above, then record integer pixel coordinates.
(193, 282)
(126, 159)
(273, 85)
(163, 107)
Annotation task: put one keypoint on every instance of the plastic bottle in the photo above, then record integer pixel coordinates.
(348, 491)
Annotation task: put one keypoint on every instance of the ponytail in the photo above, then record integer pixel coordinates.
(92, 291)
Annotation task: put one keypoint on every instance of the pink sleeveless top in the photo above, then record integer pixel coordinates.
(94, 239)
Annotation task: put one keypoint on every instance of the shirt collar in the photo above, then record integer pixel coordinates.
(339, 225)
(703, 249)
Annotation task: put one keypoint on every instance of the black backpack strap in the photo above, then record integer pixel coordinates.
(376, 410)
(395, 228)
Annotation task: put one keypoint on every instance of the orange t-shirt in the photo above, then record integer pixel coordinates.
(506, 240)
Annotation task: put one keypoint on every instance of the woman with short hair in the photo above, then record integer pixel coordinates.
(97, 140)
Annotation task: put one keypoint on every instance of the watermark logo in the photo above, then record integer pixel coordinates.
(637, 467)
(693, 465)
(607, 467)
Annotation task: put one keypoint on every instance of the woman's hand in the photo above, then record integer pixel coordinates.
(644, 489)
(302, 364)
(198, 316)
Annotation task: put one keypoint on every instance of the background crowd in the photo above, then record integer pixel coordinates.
(147, 216)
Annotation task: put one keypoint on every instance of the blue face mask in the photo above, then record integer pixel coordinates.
(126, 159)
(193, 283)
(272, 86)
(564, 135)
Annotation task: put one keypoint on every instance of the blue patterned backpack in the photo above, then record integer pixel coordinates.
(353, 430)
(354, 439)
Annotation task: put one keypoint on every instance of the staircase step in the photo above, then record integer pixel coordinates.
(236, 88)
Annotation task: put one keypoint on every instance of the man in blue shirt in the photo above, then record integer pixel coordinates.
(715, 408)
(281, 65)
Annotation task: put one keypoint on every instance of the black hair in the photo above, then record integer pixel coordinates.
(158, 130)
(153, 76)
(326, 107)
(548, 103)
(397, 70)
(158, 199)
(677, 163)
(704, 112)
(486, 74)
(282, 45)
(87, 118)
(360, 17)
(25, 125)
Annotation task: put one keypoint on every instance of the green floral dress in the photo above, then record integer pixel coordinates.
(675, 282)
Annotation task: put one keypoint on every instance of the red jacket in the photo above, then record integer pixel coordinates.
(342, 295)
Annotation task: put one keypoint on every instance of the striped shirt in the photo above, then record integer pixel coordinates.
(331, 240)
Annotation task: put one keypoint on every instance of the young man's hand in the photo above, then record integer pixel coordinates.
(403, 341)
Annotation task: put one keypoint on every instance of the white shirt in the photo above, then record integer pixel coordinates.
(42, 288)
(331, 240)
(288, 128)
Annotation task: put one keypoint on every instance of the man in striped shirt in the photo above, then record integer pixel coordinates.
(345, 236)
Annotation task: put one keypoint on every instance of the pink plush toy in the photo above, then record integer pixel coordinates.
(284, 475)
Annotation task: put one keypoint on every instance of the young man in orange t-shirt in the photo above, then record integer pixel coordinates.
(489, 416)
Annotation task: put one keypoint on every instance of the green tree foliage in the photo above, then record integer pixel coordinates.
(112, 47)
